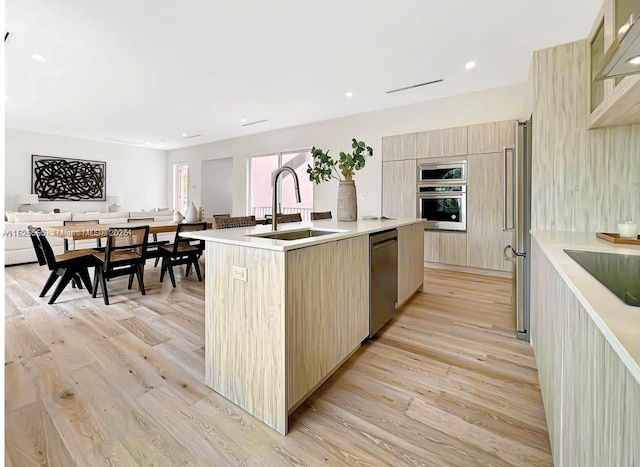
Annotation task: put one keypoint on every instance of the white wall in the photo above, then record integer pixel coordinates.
(335, 135)
(139, 175)
(217, 186)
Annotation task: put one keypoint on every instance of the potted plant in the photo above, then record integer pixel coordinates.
(324, 169)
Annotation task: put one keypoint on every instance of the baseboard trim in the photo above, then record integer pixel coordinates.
(482, 272)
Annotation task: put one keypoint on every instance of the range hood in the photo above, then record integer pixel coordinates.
(624, 48)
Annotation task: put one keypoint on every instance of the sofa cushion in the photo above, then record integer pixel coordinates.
(23, 217)
(113, 220)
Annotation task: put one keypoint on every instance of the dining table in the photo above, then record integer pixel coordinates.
(92, 231)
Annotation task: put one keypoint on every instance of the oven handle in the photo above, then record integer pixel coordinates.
(505, 220)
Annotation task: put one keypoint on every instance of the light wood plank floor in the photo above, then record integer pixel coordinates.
(445, 383)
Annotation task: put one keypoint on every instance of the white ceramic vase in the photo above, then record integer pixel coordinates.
(347, 201)
(177, 216)
(191, 214)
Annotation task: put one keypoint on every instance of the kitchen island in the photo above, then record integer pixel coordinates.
(282, 314)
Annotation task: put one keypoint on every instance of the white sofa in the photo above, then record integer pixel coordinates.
(18, 247)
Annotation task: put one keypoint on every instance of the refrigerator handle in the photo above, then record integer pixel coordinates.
(505, 220)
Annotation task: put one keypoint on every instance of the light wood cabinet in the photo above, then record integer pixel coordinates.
(439, 143)
(452, 248)
(399, 188)
(491, 137)
(410, 260)
(399, 147)
(591, 399)
(485, 210)
(431, 247)
(327, 310)
(613, 101)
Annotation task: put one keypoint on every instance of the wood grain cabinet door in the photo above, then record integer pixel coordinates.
(399, 147)
(491, 137)
(485, 198)
(399, 188)
(442, 143)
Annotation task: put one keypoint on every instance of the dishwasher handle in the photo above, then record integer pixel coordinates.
(378, 238)
(375, 246)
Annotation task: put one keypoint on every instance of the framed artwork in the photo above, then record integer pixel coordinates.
(64, 179)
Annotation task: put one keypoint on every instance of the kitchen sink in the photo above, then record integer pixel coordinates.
(297, 234)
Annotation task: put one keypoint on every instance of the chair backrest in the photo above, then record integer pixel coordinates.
(47, 251)
(140, 219)
(286, 218)
(316, 216)
(188, 227)
(80, 222)
(233, 222)
(34, 234)
(133, 239)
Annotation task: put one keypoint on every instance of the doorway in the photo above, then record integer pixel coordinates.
(217, 186)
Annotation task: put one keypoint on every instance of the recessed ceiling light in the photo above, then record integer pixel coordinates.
(243, 120)
(635, 60)
(38, 57)
(470, 65)
(349, 94)
(184, 134)
(7, 98)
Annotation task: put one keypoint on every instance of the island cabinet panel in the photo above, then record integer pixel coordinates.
(245, 330)
(485, 213)
(399, 147)
(327, 311)
(591, 399)
(491, 137)
(399, 188)
(446, 142)
(410, 260)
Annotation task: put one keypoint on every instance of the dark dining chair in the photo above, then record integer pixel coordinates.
(226, 222)
(182, 251)
(123, 256)
(286, 218)
(71, 266)
(72, 223)
(153, 251)
(316, 216)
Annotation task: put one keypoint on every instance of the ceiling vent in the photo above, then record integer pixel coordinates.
(415, 86)
(124, 141)
(256, 122)
(191, 136)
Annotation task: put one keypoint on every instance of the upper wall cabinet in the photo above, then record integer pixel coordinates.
(447, 142)
(400, 147)
(612, 101)
(488, 138)
(399, 188)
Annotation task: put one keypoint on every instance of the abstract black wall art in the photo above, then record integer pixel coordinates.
(64, 179)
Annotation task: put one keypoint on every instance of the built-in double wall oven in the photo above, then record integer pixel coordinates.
(442, 194)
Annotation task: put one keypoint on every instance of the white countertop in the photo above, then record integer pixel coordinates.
(618, 322)
(243, 236)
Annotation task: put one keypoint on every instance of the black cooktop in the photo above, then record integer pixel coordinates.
(619, 273)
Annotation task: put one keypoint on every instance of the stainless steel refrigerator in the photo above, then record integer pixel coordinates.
(517, 218)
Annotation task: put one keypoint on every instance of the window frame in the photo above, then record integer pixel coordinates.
(280, 154)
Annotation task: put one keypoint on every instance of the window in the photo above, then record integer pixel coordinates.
(180, 187)
(261, 169)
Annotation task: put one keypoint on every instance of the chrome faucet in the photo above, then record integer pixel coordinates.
(274, 187)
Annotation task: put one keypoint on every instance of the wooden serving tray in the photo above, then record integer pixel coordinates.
(615, 238)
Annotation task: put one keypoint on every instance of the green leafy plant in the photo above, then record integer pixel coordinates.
(324, 166)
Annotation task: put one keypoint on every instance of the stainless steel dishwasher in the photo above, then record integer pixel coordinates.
(383, 287)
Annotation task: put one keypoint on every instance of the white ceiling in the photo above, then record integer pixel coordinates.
(147, 71)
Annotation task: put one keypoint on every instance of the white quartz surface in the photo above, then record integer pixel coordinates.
(619, 322)
(244, 236)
